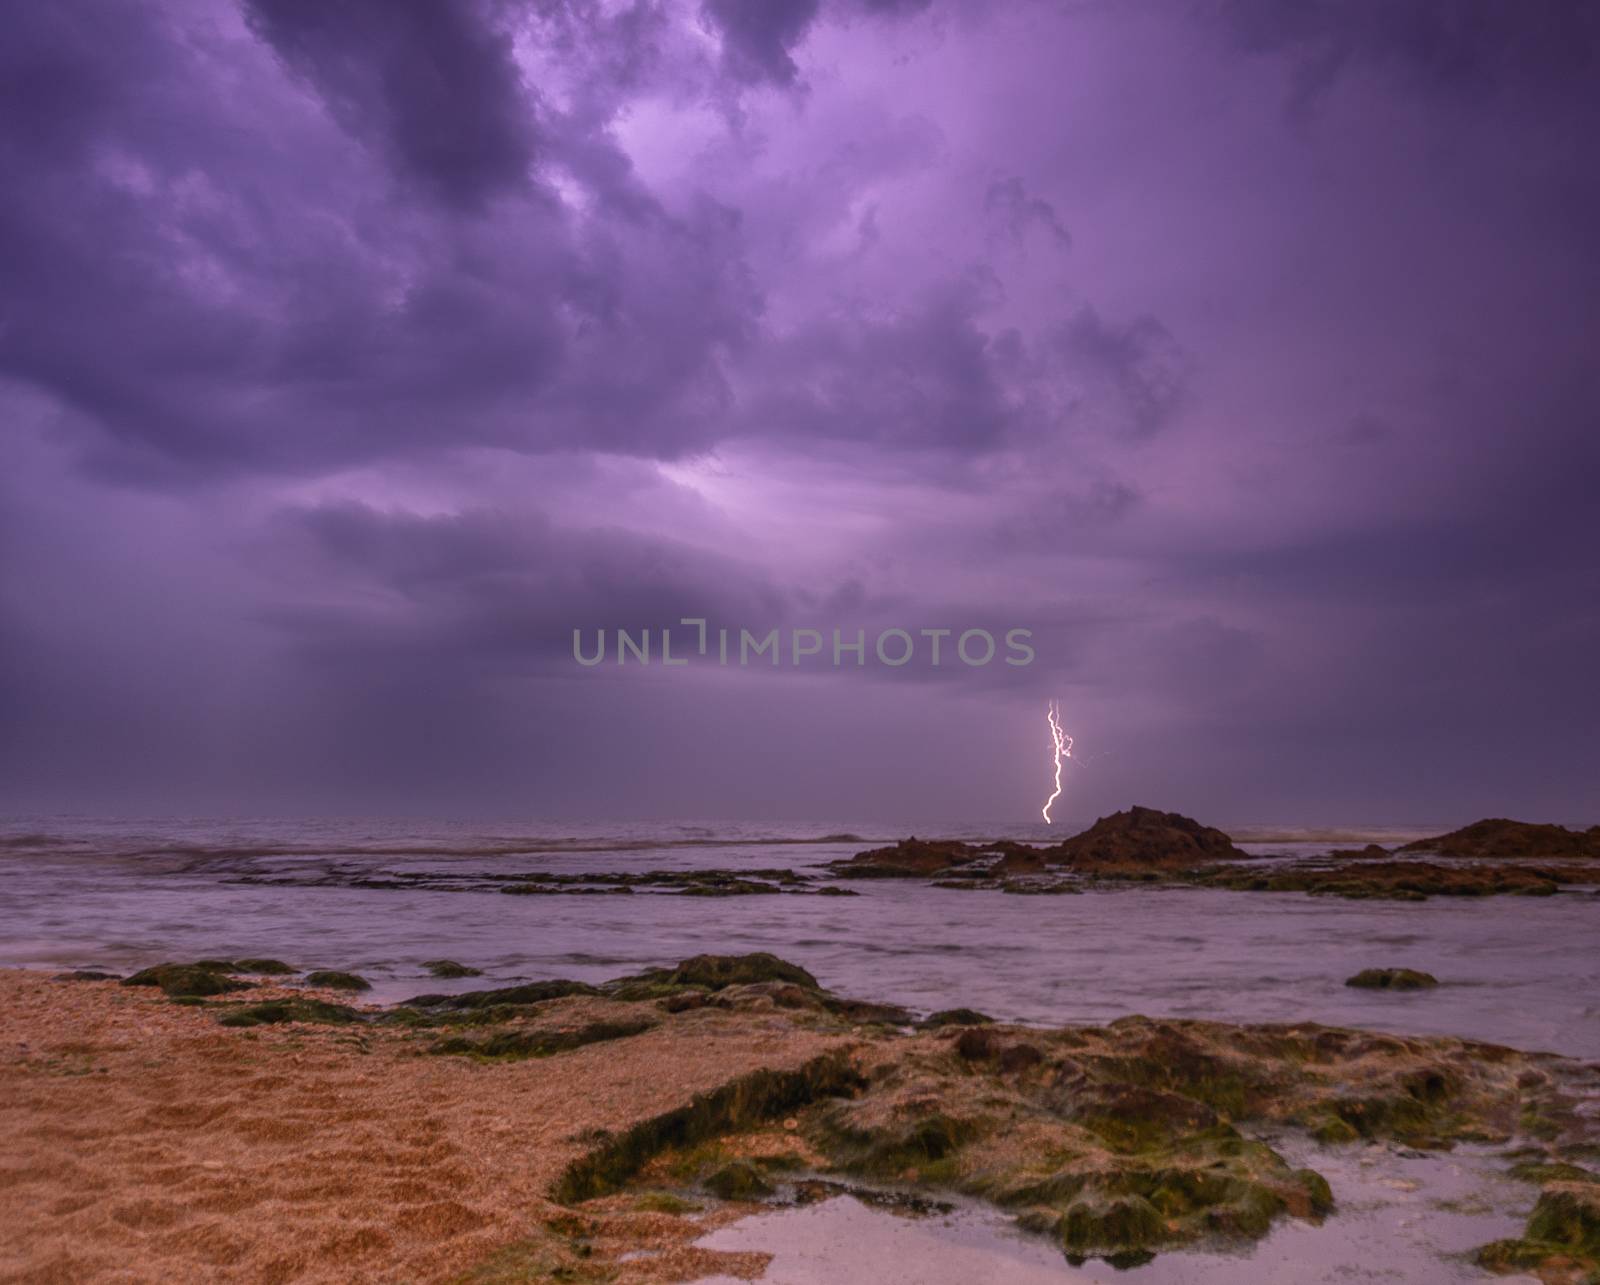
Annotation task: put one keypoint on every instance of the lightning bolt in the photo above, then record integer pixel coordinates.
(1061, 745)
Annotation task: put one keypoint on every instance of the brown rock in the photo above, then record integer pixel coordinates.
(1144, 837)
(1499, 837)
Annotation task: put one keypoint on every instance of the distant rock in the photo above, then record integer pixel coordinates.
(911, 858)
(1403, 880)
(1499, 837)
(1392, 979)
(1145, 837)
(1372, 852)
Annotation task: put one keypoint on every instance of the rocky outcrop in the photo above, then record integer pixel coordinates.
(1135, 840)
(1145, 837)
(1117, 1141)
(911, 858)
(1499, 837)
(190, 981)
(1392, 979)
(1562, 1240)
(450, 969)
(1401, 880)
(332, 979)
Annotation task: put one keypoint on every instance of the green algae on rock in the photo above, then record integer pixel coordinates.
(711, 973)
(1561, 1243)
(956, 1017)
(517, 1043)
(1392, 979)
(272, 1012)
(332, 979)
(738, 1180)
(264, 967)
(1117, 1141)
(506, 996)
(449, 968)
(187, 980)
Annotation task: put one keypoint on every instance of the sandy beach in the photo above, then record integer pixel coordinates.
(205, 1127)
(143, 1143)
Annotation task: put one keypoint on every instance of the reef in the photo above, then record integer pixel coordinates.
(1361, 879)
(1500, 837)
(1117, 1141)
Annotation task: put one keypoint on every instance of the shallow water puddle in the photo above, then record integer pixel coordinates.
(1402, 1217)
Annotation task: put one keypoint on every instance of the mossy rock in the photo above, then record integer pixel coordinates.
(264, 967)
(1546, 1171)
(332, 979)
(87, 975)
(1333, 1131)
(1392, 979)
(717, 971)
(1110, 1224)
(1318, 1194)
(1562, 1237)
(738, 1180)
(449, 968)
(186, 980)
(505, 996)
(276, 1011)
(956, 1017)
(520, 1044)
(664, 1202)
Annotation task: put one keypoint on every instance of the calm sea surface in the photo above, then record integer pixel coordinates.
(1523, 971)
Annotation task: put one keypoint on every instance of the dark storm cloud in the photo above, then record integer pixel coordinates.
(1062, 520)
(1137, 363)
(210, 283)
(351, 355)
(1017, 211)
(490, 589)
(1467, 46)
(430, 85)
(757, 38)
(940, 375)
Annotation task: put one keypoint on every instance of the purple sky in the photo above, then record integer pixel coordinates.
(353, 354)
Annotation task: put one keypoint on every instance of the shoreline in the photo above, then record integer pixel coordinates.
(530, 1128)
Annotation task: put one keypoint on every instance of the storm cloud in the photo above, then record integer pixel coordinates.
(353, 355)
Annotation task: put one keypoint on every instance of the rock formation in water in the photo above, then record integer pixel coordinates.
(1137, 839)
(1499, 837)
(1145, 837)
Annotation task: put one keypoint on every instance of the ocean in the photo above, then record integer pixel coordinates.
(123, 893)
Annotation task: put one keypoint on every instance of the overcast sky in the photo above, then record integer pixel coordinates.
(1245, 351)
